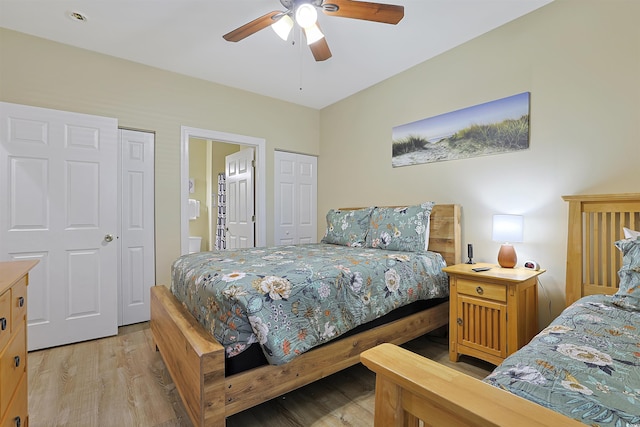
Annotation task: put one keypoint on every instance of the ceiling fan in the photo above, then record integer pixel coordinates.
(306, 16)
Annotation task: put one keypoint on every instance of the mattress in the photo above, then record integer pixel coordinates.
(289, 299)
(585, 365)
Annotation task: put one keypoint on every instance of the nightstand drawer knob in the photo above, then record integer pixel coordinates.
(21, 302)
(16, 361)
(3, 323)
(17, 421)
(479, 290)
(459, 321)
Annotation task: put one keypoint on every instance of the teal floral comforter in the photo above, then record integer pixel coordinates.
(292, 298)
(585, 365)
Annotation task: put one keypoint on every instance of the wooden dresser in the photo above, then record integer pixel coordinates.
(14, 407)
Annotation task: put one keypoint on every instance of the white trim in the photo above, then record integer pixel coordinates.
(261, 189)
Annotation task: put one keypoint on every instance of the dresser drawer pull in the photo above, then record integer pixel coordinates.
(17, 421)
(3, 323)
(21, 302)
(16, 360)
(479, 290)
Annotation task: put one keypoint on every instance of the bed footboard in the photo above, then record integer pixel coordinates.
(194, 360)
(410, 388)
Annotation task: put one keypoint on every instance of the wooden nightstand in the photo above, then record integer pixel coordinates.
(491, 313)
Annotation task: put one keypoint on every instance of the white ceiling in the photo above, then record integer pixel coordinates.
(185, 36)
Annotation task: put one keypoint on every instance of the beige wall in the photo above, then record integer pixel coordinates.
(41, 73)
(580, 59)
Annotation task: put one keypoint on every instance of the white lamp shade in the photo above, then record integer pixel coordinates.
(283, 27)
(313, 34)
(306, 15)
(508, 228)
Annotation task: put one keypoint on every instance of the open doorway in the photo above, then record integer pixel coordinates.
(259, 145)
(207, 193)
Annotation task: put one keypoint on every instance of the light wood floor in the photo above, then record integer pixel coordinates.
(121, 381)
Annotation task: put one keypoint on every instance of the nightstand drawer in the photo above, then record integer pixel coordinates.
(482, 289)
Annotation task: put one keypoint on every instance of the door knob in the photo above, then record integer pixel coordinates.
(108, 238)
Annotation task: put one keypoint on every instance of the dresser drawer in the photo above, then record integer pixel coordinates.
(16, 414)
(19, 302)
(5, 318)
(13, 362)
(490, 291)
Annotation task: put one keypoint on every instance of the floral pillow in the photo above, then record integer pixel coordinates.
(347, 228)
(628, 295)
(400, 229)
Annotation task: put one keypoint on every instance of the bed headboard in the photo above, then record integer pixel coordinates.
(445, 233)
(595, 223)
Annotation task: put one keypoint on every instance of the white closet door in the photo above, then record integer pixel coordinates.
(295, 194)
(284, 232)
(58, 204)
(137, 231)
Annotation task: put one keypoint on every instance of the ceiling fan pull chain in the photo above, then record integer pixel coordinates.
(301, 62)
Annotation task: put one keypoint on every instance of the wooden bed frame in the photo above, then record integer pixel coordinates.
(195, 360)
(410, 387)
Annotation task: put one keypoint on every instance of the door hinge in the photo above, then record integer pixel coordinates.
(253, 218)
(253, 163)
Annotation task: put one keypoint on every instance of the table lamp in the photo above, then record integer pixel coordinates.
(507, 229)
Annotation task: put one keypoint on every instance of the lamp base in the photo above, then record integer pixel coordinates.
(507, 256)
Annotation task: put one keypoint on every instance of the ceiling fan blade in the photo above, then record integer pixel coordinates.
(368, 11)
(252, 27)
(320, 50)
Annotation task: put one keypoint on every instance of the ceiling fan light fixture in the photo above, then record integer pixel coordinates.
(283, 27)
(313, 34)
(306, 15)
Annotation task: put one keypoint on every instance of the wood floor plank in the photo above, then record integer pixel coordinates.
(122, 381)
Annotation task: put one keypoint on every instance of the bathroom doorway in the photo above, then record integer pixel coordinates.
(258, 144)
(207, 207)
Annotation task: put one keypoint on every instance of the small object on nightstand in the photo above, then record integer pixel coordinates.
(470, 254)
(479, 269)
(492, 314)
(532, 265)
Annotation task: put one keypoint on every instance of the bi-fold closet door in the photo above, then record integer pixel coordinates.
(60, 204)
(136, 225)
(296, 193)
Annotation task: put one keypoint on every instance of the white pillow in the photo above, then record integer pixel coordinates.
(630, 234)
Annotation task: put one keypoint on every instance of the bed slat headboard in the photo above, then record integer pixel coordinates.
(595, 223)
(445, 232)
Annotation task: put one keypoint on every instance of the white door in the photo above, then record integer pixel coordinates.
(137, 232)
(58, 204)
(240, 202)
(295, 194)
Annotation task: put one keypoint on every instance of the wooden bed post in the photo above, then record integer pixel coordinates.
(388, 405)
(573, 287)
(193, 359)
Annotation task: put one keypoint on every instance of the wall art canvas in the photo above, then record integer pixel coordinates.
(494, 127)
